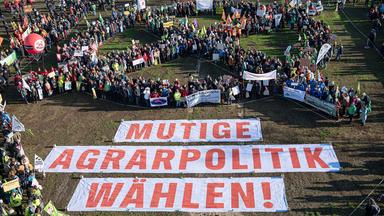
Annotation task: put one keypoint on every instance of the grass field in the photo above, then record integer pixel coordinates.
(76, 119)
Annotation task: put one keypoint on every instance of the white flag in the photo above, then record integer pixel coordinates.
(278, 19)
(17, 126)
(324, 49)
(39, 164)
(26, 86)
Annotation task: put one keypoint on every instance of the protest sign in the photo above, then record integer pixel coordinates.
(193, 159)
(204, 4)
(249, 87)
(157, 102)
(39, 164)
(168, 24)
(265, 76)
(207, 96)
(212, 130)
(323, 51)
(84, 48)
(260, 12)
(141, 4)
(253, 194)
(215, 56)
(294, 94)
(235, 90)
(138, 61)
(8, 186)
(78, 53)
(51, 210)
(68, 86)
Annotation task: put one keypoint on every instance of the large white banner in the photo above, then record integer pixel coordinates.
(265, 76)
(294, 94)
(210, 130)
(193, 159)
(254, 194)
(204, 4)
(323, 50)
(207, 96)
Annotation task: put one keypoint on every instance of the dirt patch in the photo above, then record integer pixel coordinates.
(77, 119)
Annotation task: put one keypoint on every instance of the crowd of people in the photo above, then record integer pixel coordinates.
(106, 76)
(25, 199)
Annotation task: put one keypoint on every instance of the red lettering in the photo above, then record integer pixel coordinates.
(63, 160)
(224, 134)
(275, 156)
(248, 198)
(91, 161)
(143, 133)
(105, 193)
(187, 129)
(220, 159)
(212, 195)
(138, 190)
(170, 195)
(236, 160)
(256, 158)
(203, 131)
(187, 203)
(139, 158)
(240, 130)
(185, 157)
(113, 156)
(171, 131)
(159, 158)
(314, 157)
(294, 158)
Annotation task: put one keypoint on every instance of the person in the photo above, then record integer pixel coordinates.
(351, 112)
(372, 209)
(371, 39)
(177, 97)
(15, 203)
(339, 52)
(366, 108)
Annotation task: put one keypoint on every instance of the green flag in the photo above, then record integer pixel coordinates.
(86, 22)
(101, 19)
(51, 209)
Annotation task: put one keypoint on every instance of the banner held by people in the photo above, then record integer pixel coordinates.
(253, 194)
(294, 94)
(207, 96)
(264, 76)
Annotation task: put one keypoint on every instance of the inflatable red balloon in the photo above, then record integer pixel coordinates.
(34, 44)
